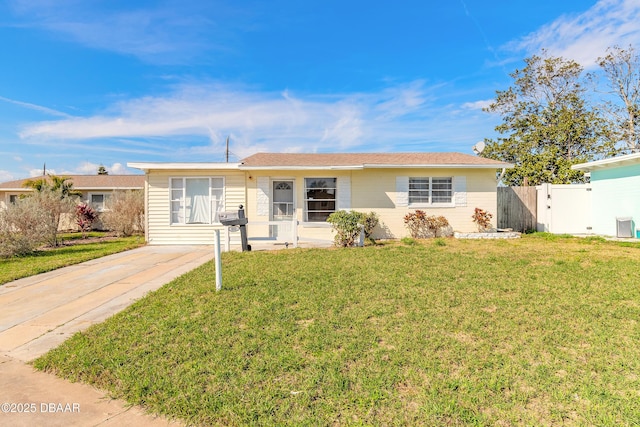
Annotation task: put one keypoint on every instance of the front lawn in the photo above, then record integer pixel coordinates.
(74, 250)
(535, 331)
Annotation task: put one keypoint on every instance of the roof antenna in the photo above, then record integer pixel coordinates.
(44, 169)
(227, 151)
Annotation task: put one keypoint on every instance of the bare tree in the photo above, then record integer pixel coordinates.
(622, 69)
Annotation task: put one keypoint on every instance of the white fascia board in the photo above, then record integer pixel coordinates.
(299, 168)
(183, 166)
(629, 159)
(379, 166)
(439, 166)
(107, 188)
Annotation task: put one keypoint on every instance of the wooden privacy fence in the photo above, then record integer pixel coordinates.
(517, 208)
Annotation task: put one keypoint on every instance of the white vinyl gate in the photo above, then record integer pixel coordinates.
(564, 209)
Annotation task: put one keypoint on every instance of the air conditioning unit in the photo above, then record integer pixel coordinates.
(624, 227)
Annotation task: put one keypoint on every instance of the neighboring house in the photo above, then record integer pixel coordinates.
(615, 195)
(288, 197)
(95, 189)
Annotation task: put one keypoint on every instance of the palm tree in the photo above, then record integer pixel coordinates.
(62, 184)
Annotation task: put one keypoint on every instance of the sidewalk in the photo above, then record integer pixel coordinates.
(40, 312)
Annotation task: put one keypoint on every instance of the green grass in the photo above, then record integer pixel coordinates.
(535, 331)
(50, 259)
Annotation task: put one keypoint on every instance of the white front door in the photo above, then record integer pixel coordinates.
(282, 208)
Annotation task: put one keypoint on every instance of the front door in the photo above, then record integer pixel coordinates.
(282, 209)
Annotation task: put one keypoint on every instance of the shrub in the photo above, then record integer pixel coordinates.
(421, 225)
(85, 217)
(348, 225)
(482, 219)
(125, 212)
(24, 226)
(55, 203)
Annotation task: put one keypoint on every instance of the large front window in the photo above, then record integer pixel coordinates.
(196, 200)
(430, 191)
(320, 198)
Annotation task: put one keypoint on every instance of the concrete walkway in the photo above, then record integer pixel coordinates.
(40, 312)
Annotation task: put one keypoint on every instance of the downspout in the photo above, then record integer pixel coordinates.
(504, 170)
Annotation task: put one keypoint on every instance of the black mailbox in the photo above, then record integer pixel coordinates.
(232, 219)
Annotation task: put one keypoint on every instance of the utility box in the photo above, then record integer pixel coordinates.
(624, 227)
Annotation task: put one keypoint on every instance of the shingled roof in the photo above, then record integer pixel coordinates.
(364, 160)
(88, 182)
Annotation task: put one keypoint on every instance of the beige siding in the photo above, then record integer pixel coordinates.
(159, 228)
(375, 190)
(306, 231)
(371, 190)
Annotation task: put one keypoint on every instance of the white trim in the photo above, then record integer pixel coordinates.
(379, 166)
(104, 195)
(432, 204)
(184, 189)
(460, 191)
(343, 187)
(626, 160)
(146, 166)
(402, 191)
(263, 196)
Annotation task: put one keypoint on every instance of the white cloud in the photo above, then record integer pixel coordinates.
(477, 105)
(585, 37)
(271, 121)
(38, 172)
(35, 107)
(89, 168)
(167, 32)
(6, 176)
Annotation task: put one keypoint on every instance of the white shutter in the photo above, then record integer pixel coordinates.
(262, 202)
(402, 191)
(460, 190)
(344, 193)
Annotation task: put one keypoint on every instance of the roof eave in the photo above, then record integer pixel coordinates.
(381, 166)
(146, 166)
(626, 160)
(440, 166)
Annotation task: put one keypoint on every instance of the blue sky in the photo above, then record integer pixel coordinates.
(87, 82)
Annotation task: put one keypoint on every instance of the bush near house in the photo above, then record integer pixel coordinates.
(24, 226)
(348, 226)
(421, 225)
(482, 219)
(124, 213)
(85, 217)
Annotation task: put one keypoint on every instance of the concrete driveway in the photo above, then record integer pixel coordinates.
(39, 312)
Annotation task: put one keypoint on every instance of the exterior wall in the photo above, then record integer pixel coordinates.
(158, 221)
(616, 193)
(5, 197)
(307, 230)
(375, 190)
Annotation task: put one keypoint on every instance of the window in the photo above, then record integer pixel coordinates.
(196, 200)
(13, 199)
(430, 191)
(319, 198)
(97, 201)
